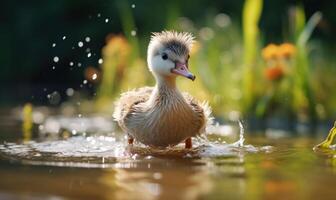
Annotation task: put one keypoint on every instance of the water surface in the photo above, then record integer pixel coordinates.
(104, 167)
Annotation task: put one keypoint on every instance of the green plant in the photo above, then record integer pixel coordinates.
(251, 16)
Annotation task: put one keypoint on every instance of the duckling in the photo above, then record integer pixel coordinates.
(162, 116)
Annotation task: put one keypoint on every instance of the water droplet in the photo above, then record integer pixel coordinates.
(44, 89)
(87, 39)
(133, 33)
(100, 61)
(71, 63)
(79, 115)
(89, 55)
(133, 5)
(240, 142)
(94, 76)
(64, 37)
(87, 49)
(54, 45)
(80, 44)
(98, 15)
(79, 64)
(54, 98)
(70, 92)
(85, 82)
(53, 67)
(74, 132)
(106, 20)
(56, 59)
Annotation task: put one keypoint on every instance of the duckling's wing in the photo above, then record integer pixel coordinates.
(203, 110)
(128, 100)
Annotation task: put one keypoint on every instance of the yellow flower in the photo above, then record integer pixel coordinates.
(270, 52)
(287, 50)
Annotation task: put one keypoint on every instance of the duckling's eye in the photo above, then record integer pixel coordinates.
(164, 56)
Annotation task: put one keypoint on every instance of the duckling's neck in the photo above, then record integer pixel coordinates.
(165, 83)
(165, 91)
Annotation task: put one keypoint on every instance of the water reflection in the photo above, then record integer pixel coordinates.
(291, 171)
(155, 179)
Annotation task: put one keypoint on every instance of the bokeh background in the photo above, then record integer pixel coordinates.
(254, 59)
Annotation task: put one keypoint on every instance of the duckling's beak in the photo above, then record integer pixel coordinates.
(182, 70)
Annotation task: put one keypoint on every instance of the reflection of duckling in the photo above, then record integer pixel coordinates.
(161, 116)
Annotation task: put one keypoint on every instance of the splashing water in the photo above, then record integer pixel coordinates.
(111, 148)
(80, 44)
(240, 142)
(56, 59)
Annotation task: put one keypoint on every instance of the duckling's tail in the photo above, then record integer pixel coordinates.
(208, 115)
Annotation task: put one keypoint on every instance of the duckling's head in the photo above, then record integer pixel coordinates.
(168, 54)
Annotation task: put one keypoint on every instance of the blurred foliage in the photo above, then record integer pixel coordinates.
(251, 16)
(234, 74)
(281, 85)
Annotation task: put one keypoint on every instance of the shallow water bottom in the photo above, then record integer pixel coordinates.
(104, 167)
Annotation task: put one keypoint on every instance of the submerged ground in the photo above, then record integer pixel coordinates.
(103, 167)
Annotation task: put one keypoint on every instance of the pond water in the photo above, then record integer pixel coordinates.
(102, 166)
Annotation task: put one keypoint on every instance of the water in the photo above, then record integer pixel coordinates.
(240, 142)
(103, 166)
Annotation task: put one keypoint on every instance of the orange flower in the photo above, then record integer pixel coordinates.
(274, 73)
(270, 52)
(287, 50)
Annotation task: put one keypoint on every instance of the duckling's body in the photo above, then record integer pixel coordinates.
(161, 116)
